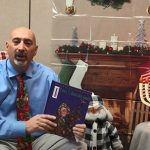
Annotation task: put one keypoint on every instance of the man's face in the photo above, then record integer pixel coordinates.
(21, 48)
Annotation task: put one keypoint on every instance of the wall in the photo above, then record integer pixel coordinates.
(13, 13)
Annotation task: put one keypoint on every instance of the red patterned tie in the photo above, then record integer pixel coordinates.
(24, 143)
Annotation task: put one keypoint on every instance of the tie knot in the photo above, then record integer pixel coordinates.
(20, 78)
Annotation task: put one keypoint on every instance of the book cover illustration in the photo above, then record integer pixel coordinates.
(69, 105)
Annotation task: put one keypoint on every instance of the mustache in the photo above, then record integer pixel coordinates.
(21, 53)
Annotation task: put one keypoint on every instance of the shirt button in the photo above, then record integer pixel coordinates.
(94, 147)
(94, 130)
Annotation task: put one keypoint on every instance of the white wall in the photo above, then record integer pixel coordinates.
(13, 13)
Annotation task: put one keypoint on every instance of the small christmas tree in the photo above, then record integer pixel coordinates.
(140, 37)
(74, 41)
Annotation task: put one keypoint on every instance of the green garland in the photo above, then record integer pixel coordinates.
(116, 4)
(91, 49)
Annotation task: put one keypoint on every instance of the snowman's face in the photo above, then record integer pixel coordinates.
(94, 113)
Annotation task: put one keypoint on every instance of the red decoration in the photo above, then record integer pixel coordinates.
(97, 51)
(82, 44)
(56, 51)
(147, 80)
(110, 49)
(90, 46)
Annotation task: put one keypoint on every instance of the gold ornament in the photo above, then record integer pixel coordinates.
(70, 10)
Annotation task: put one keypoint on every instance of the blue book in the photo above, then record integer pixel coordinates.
(69, 105)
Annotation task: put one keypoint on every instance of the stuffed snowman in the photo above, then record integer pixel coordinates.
(100, 133)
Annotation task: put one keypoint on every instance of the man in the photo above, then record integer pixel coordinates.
(21, 47)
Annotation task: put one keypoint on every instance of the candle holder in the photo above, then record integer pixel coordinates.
(70, 8)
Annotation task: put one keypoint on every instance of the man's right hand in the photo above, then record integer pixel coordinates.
(41, 122)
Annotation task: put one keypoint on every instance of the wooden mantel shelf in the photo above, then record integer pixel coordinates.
(94, 58)
(111, 76)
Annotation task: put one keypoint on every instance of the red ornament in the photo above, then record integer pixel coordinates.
(89, 46)
(147, 80)
(136, 50)
(57, 50)
(82, 44)
(96, 51)
(110, 49)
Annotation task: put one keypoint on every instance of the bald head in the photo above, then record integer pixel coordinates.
(26, 32)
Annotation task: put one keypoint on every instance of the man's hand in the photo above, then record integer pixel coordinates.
(41, 122)
(79, 130)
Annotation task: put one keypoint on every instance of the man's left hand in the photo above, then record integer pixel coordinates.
(79, 131)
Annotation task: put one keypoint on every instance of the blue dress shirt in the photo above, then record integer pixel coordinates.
(38, 82)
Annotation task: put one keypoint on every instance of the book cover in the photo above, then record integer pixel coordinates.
(69, 105)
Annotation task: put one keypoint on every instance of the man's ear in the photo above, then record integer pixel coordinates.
(6, 46)
(36, 48)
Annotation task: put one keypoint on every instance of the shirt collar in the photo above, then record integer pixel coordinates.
(12, 72)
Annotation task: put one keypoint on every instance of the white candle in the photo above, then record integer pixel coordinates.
(114, 41)
(120, 48)
(114, 38)
(102, 44)
(69, 3)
